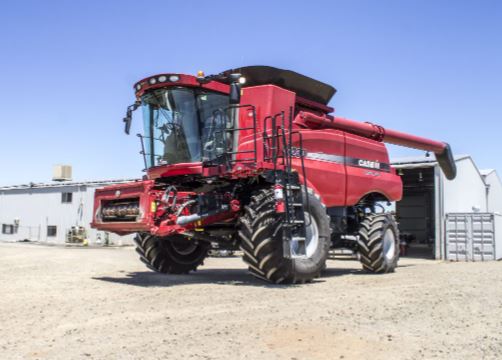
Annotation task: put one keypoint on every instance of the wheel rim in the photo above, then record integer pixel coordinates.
(184, 248)
(389, 244)
(311, 235)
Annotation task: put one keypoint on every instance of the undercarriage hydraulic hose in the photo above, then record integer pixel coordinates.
(187, 219)
(168, 198)
(184, 205)
(183, 220)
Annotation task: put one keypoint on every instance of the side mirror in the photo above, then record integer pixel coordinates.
(235, 88)
(128, 118)
(235, 93)
(127, 122)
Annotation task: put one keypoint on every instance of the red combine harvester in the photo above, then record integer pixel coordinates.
(252, 159)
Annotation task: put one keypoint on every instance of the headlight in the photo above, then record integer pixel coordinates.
(162, 78)
(152, 81)
(174, 78)
(138, 87)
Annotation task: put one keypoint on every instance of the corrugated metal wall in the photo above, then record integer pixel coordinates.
(498, 236)
(472, 237)
(494, 193)
(34, 209)
(466, 192)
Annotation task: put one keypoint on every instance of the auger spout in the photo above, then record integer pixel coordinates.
(442, 150)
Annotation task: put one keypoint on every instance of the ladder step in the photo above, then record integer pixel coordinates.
(297, 204)
(298, 238)
(291, 224)
(293, 187)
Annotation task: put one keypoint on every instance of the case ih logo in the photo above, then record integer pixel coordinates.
(369, 164)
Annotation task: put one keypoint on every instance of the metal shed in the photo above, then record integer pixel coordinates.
(48, 212)
(429, 200)
(494, 190)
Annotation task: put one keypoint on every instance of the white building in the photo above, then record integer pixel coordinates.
(494, 190)
(47, 212)
(429, 199)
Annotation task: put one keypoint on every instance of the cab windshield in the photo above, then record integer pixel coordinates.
(183, 125)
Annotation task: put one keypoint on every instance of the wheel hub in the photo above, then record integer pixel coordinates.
(311, 235)
(184, 248)
(389, 244)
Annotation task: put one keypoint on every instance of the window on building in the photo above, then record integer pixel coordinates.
(66, 197)
(52, 230)
(8, 229)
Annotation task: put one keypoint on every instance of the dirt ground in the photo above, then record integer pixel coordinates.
(84, 303)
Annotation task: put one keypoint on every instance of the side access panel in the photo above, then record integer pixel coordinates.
(369, 171)
(323, 152)
(268, 100)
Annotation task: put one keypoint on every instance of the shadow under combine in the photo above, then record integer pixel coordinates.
(233, 277)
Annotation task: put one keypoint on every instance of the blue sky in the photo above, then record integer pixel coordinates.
(432, 68)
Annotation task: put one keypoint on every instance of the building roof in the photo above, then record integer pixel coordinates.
(426, 161)
(419, 162)
(93, 183)
(486, 172)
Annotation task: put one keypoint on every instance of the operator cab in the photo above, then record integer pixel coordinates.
(184, 120)
(189, 119)
(183, 125)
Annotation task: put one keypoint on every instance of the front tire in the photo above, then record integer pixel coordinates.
(378, 243)
(260, 231)
(170, 255)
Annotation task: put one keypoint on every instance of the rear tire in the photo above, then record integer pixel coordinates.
(170, 255)
(378, 243)
(260, 231)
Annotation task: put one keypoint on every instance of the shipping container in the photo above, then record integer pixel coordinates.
(473, 236)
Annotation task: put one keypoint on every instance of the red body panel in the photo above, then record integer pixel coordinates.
(141, 190)
(174, 170)
(268, 100)
(362, 181)
(332, 169)
(328, 178)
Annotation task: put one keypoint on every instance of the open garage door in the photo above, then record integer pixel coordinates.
(415, 212)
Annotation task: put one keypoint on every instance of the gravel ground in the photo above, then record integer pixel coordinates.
(85, 303)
